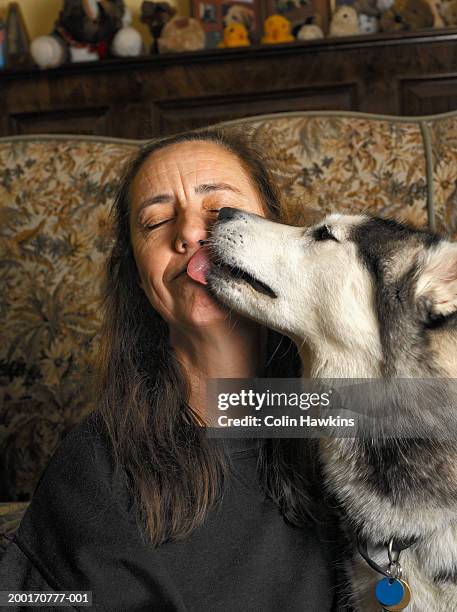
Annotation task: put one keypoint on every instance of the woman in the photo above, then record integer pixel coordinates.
(138, 505)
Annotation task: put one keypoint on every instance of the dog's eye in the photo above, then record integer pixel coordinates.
(324, 233)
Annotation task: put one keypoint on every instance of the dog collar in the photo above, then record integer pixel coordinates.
(101, 47)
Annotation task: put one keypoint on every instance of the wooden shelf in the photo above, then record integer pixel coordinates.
(391, 73)
(380, 39)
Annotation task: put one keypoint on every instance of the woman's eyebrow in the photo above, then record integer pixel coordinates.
(164, 198)
(209, 187)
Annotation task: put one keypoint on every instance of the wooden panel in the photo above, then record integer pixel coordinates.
(175, 115)
(426, 95)
(397, 73)
(67, 121)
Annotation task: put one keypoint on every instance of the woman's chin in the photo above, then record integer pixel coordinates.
(204, 311)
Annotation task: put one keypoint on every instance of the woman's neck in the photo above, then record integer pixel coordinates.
(217, 352)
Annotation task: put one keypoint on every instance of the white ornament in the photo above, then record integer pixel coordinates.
(47, 51)
(127, 43)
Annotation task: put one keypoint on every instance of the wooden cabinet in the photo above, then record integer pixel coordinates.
(396, 74)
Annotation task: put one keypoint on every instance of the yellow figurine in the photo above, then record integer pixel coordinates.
(235, 35)
(276, 30)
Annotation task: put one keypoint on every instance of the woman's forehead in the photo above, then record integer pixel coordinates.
(192, 162)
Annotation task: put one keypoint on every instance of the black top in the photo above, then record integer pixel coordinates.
(77, 535)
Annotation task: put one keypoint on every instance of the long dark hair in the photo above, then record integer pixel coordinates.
(173, 472)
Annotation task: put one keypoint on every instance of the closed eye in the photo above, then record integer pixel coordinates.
(324, 233)
(152, 226)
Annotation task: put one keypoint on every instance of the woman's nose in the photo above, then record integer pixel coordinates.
(191, 231)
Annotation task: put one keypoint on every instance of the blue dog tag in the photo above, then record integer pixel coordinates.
(389, 592)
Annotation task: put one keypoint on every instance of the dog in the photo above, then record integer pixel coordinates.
(368, 298)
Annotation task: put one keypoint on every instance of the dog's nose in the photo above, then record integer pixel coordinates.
(227, 213)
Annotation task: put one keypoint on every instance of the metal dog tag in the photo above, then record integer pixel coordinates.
(393, 594)
(404, 601)
(389, 592)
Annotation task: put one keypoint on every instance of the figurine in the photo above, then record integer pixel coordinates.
(235, 35)
(182, 34)
(156, 15)
(276, 30)
(87, 30)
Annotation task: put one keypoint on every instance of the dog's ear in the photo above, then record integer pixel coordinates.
(436, 286)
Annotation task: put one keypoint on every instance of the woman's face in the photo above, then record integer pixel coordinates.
(175, 198)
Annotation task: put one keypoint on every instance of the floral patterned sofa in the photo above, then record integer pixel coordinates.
(55, 196)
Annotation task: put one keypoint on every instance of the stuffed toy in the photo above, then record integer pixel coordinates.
(345, 21)
(368, 24)
(367, 7)
(299, 13)
(407, 15)
(276, 29)
(383, 5)
(235, 35)
(87, 30)
(181, 34)
(448, 11)
(240, 15)
(309, 32)
(155, 15)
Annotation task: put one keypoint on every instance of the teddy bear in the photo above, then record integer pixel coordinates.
(155, 15)
(87, 30)
(407, 15)
(181, 34)
(235, 35)
(276, 29)
(345, 21)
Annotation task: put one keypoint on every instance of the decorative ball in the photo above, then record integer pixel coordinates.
(127, 43)
(47, 52)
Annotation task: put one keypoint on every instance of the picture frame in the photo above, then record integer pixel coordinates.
(213, 14)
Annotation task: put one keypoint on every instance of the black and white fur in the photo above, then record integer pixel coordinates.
(370, 298)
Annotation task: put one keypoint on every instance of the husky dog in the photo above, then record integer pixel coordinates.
(371, 298)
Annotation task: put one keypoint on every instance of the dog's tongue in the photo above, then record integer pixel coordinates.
(199, 265)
